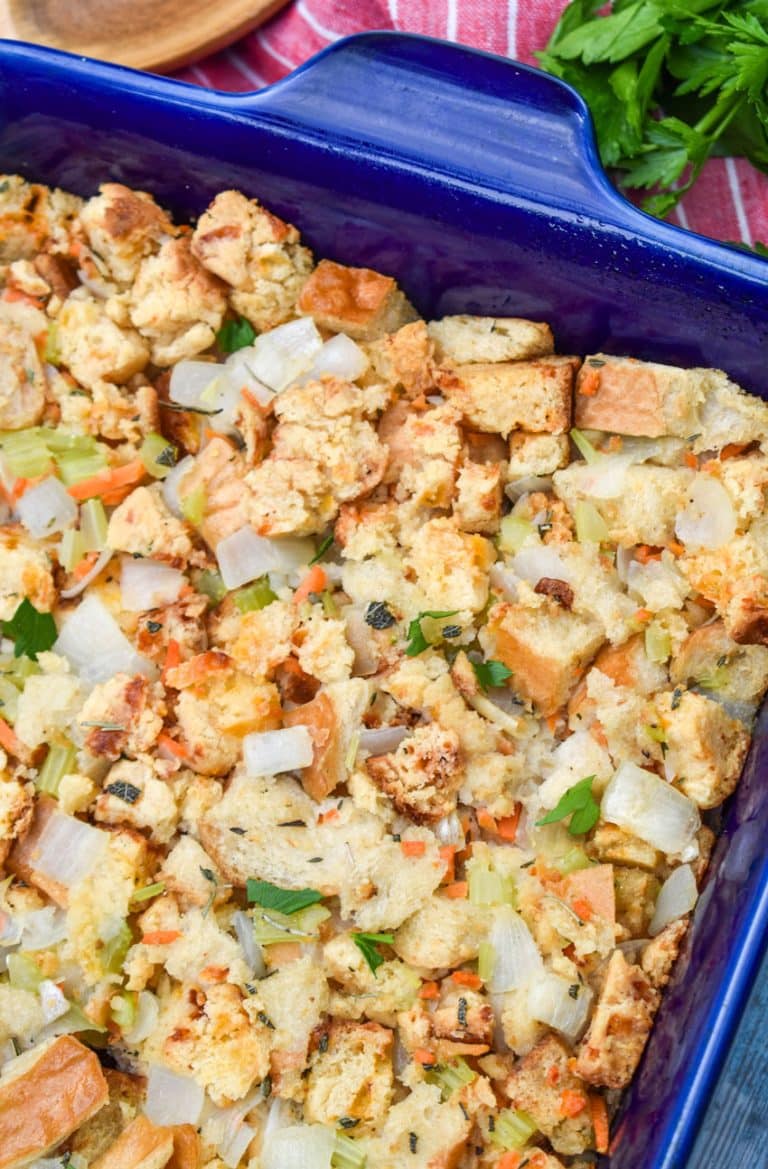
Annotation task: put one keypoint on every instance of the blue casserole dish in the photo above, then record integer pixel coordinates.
(476, 183)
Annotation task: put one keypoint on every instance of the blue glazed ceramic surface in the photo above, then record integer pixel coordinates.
(475, 182)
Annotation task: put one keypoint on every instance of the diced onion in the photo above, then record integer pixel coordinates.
(516, 957)
(191, 380)
(227, 1131)
(526, 484)
(145, 1021)
(300, 1146)
(148, 584)
(172, 1099)
(604, 479)
(244, 556)
(591, 528)
(53, 1001)
(382, 740)
(552, 1000)
(514, 532)
(448, 830)
(361, 639)
(646, 806)
(252, 951)
(532, 564)
(43, 928)
(98, 566)
(172, 482)
(279, 356)
(95, 645)
(67, 849)
(340, 357)
(624, 558)
(709, 518)
(272, 752)
(677, 896)
(505, 580)
(46, 508)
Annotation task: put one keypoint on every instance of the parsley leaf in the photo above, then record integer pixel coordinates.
(31, 632)
(367, 943)
(286, 901)
(417, 642)
(123, 790)
(578, 803)
(491, 673)
(235, 335)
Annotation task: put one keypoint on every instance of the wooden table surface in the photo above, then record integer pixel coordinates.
(735, 1130)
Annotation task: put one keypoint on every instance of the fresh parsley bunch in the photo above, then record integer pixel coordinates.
(669, 83)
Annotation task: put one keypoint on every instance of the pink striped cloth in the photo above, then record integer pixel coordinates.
(730, 200)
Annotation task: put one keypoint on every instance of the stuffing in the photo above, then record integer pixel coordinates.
(98, 1134)
(183, 874)
(324, 453)
(403, 360)
(728, 415)
(17, 806)
(625, 396)
(620, 1025)
(33, 217)
(478, 499)
(49, 702)
(125, 414)
(366, 529)
(294, 1001)
(378, 994)
(98, 906)
(217, 474)
(133, 795)
(705, 747)
(122, 717)
(658, 956)
(616, 846)
(537, 1084)
(254, 252)
(22, 378)
(547, 649)
(463, 1015)
(322, 647)
(143, 526)
(260, 640)
(141, 1145)
(536, 454)
(351, 1076)
(711, 659)
(25, 571)
(21, 1014)
(451, 566)
(93, 347)
(745, 479)
(424, 450)
(123, 227)
(424, 684)
(423, 775)
(356, 301)
(331, 718)
(443, 933)
(518, 395)
(181, 623)
(421, 1132)
(465, 339)
(76, 792)
(636, 893)
(645, 510)
(175, 303)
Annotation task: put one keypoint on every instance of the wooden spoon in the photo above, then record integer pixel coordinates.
(145, 34)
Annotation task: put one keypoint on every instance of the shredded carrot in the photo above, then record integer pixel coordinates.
(691, 461)
(486, 820)
(413, 847)
(643, 615)
(553, 1074)
(509, 1160)
(172, 657)
(597, 731)
(467, 978)
(424, 1056)
(599, 1113)
(675, 548)
(160, 937)
(85, 565)
(589, 382)
(314, 582)
(457, 891)
(644, 553)
(326, 817)
(572, 1102)
(8, 740)
(732, 449)
(251, 399)
(429, 990)
(552, 721)
(177, 749)
(22, 485)
(448, 854)
(582, 908)
(507, 825)
(109, 483)
(12, 294)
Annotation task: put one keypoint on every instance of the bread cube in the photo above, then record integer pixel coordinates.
(706, 748)
(356, 301)
(467, 339)
(531, 395)
(626, 396)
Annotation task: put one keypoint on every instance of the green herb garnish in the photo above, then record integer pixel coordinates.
(324, 546)
(491, 673)
(578, 803)
(124, 791)
(285, 901)
(235, 335)
(30, 631)
(367, 943)
(417, 642)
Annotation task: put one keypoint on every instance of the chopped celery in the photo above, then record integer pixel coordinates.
(114, 950)
(122, 1007)
(9, 700)
(23, 972)
(487, 887)
(17, 670)
(93, 525)
(270, 926)
(572, 861)
(352, 749)
(658, 734)
(158, 455)
(591, 528)
(513, 1129)
(486, 961)
(254, 596)
(717, 679)
(589, 453)
(52, 352)
(210, 584)
(78, 464)
(330, 608)
(449, 1077)
(347, 1154)
(148, 891)
(72, 549)
(514, 532)
(58, 762)
(193, 506)
(658, 643)
(25, 452)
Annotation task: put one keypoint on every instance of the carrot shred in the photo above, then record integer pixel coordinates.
(644, 553)
(553, 1074)
(22, 485)
(486, 820)
(457, 891)
(172, 657)
(732, 449)
(467, 978)
(691, 461)
(429, 990)
(509, 1160)
(13, 294)
(424, 1056)
(675, 548)
(8, 740)
(507, 826)
(314, 582)
(413, 847)
(448, 854)
(643, 615)
(326, 817)
(582, 908)
(572, 1102)
(177, 749)
(160, 937)
(110, 483)
(599, 1113)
